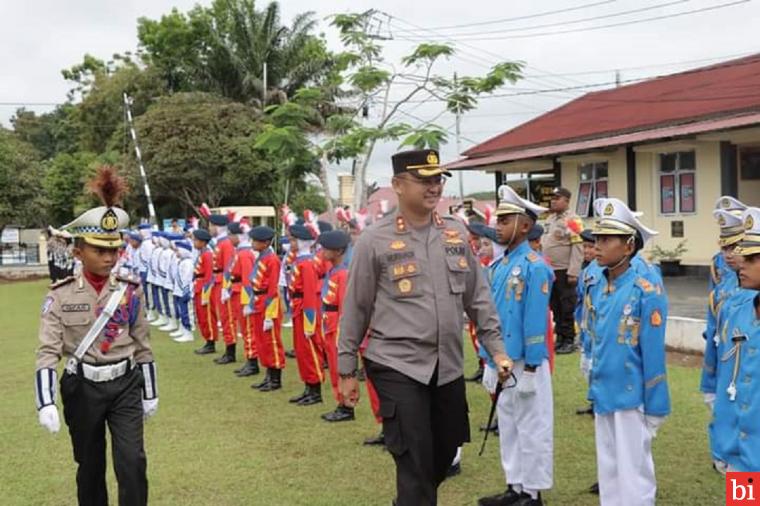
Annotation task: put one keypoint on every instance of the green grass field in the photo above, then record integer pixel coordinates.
(217, 442)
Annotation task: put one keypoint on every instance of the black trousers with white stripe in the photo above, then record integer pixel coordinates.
(87, 408)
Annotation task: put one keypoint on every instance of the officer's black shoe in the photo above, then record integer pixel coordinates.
(594, 489)
(228, 357)
(493, 428)
(565, 348)
(378, 440)
(506, 499)
(298, 398)
(313, 397)
(454, 470)
(478, 376)
(290, 353)
(251, 368)
(527, 500)
(206, 349)
(341, 414)
(267, 379)
(585, 411)
(275, 381)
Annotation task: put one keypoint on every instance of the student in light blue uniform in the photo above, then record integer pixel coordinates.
(154, 280)
(737, 394)
(183, 291)
(625, 320)
(521, 285)
(719, 269)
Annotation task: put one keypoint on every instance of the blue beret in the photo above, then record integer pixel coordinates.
(174, 237)
(234, 228)
(185, 245)
(324, 226)
(477, 229)
(135, 236)
(144, 226)
(588, 236)
(202, 235)
(535, 233)
(219, 219)
(158, 233)
(261, 233)
(490, 233)
(300, 221)
(187, 228)
(301, 232)
(284, 239)
(334, 239)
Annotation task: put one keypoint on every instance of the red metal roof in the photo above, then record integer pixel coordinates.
(724, 89)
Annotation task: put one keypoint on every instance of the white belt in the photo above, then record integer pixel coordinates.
(102, 373)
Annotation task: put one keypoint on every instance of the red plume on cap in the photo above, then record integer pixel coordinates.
(245, 225)
(488, 215)
(108, 186)
(193, 221)
(340, 215)
(205, 211)
(361, 219)
(287, 216)
(311, 222)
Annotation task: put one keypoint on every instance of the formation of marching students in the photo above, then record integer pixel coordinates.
(230, 282)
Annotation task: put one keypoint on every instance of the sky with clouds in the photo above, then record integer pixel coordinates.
(567, 53)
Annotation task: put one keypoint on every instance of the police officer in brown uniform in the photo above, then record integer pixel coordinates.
(563, 247)
(412, 276)
(95, 321)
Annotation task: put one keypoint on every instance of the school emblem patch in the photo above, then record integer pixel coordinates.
(656, 318)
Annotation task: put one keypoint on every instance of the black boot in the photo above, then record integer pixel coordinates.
(585, 411)
(527, 500)
(275, 381)
(298, 398)
(478, 376)
(341, 414)
(567, 347)
(290, 353)
(228, 357)
(251, 368)
(267, 379)
(313, 397)
(378, 440)
(209, 347)
(594, 489)
(505, 499)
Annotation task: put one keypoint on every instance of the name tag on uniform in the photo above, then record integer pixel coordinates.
(75, 308)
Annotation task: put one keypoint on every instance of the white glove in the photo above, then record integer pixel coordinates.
(526, 386)
(48, 416)
(490, 379)
(654, 423)
(268, 324)
(247, 310)
(225, 295)
(150, 406)
(709, 401)
(585, 366)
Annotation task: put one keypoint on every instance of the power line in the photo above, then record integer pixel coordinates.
(610, 25)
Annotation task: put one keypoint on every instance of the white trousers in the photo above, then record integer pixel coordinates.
(526, 432)
(624, 459)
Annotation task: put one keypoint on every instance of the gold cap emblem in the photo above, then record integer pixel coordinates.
(432, 158)
(109, 222)
(749, 223)
(609, 210)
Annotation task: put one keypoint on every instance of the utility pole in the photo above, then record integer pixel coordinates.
(138, 155)
(459, 142)
(264, 92)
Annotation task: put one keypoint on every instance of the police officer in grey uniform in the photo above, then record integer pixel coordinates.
(412, 276)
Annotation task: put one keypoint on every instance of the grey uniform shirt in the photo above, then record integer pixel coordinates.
(408, 291)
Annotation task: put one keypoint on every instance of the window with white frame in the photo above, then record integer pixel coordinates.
(592, 186)
(678, 183)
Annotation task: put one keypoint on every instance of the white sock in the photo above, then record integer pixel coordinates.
(457, 457)
(532, 493)
(517, 488)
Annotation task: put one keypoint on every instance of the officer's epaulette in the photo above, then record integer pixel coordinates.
(645, 285)
(532, 257)
(62, 282)
(128, 279)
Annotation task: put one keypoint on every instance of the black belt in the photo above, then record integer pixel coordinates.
(259, 292)
(218, 270)
(330, 308)
(297, 295)
(236, 279)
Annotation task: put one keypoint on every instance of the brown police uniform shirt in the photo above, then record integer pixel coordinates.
(68, 312)
(410, 288)
(561, 245)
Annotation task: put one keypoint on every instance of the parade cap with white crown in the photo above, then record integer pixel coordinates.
(511, 203)
(101, 226)
(731, 227)
(730, 204)
(614, 218)
(750, 243)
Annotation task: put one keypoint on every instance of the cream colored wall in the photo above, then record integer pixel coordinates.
(617, 184)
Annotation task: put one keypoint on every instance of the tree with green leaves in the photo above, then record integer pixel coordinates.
(21, 201)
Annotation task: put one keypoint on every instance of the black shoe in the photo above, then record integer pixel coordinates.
(274, 382)
(594, 489)
(341, 414)
(378, 440)
(507, 498)
(228, 357)
(290, 353)
(585, 411)
(298, 398)
(454, 470)
(267, 379)
(565, 348)
(206, 349)
(251, 368)
(314, 396)
(478, 376)
(493, 428)
(527, 500)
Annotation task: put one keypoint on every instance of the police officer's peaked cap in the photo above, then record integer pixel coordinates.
(420, 162)
(750, 243)
(511, 203)
(324, 226)
(219, 220)
(234, 228)
(615, 218)
(731, 227)
(261, 233)
(301, 232)
(562, 192)
(535, 232)
(202, 235)
(730, 204)
(334, 239)
(100, 226)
